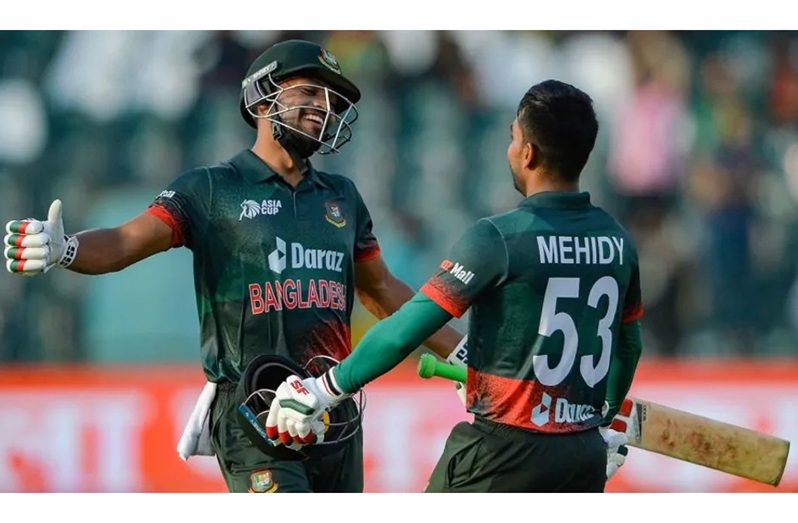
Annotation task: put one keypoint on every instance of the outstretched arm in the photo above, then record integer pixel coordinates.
(383, 294)
(110, 250)
(389, 342)
(34, 246)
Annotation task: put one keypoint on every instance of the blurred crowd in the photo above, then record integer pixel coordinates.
(697, 156)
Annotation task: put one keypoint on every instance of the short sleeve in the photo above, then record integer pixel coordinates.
(184, 206)
(366, 245)
(476, 263)
(633, 301)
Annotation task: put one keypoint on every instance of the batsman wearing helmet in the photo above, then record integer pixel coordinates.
(279, 250)
(554, 332)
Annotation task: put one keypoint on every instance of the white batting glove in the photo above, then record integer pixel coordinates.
(33, 246)
(459, 358)
(295, 415)
(616, 437)
(616, 449)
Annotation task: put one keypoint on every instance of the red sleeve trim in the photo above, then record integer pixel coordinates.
(163, 214)
(632, 313)
(443, 301)
(367, 254)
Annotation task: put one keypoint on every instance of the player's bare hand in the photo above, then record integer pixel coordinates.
(33, 246)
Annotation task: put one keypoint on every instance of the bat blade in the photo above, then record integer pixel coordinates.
(711, 443)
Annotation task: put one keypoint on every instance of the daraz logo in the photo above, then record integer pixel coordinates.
(301, 257)
(540, 414)
(277, 256)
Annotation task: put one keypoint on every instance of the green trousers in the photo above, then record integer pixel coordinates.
(248, 469)
(492, 457)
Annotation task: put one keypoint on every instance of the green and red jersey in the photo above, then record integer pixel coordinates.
(549, 285)
(273, 265)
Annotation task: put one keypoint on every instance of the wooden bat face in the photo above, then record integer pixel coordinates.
(703, 441)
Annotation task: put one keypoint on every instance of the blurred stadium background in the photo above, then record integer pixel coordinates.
(697, 155)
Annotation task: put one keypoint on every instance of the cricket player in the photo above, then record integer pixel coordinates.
(554, 332)
(279, 251)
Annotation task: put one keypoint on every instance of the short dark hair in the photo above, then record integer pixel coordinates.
(559, 120)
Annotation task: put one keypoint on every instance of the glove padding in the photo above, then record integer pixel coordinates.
(459, 358)
(615, 437)
(295, 415)
(33, 246)
(616, 449)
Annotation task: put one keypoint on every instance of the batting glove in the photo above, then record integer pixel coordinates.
(33, 246)
(615, 437)
(459, 358)
(295, 415)
(616, 449)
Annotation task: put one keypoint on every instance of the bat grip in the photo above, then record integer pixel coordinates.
(429, 366)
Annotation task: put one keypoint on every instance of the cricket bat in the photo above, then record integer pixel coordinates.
(681, 435)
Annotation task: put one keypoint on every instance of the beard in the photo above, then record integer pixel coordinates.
(517, 182)
(294, 142)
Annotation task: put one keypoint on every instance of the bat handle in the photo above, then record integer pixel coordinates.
(429, 366)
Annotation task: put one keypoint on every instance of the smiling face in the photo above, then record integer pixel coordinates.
(306, 104)
(304, 113)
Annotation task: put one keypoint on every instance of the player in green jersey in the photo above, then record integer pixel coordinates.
(279, 248)
(554, 333)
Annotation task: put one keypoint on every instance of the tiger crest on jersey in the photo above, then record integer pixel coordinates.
(334, 214)
(261, 481)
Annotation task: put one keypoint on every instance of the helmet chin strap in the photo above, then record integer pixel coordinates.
(293, 142)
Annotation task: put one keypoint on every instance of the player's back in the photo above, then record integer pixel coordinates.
(540, 337)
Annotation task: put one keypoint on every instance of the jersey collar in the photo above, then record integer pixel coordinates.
(255, 170)
(557, 200)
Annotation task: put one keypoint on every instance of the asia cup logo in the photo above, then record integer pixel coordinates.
(249, 209)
